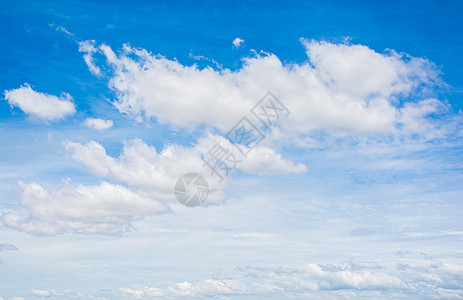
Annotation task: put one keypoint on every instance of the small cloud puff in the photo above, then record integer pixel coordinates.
(237, 42)
(98, 124)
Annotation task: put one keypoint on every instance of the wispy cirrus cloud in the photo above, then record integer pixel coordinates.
(88, 47)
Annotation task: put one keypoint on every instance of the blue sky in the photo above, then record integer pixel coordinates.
(355, 194)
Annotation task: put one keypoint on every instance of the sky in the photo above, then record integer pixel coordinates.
(329, 135)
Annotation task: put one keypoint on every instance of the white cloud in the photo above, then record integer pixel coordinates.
(284, 282)
(142, 166)
(98, 124)
(64, 30)
(348, 279)
(209, 287)
(88, 47)
(237, 42)
(40, 293)
(105, 208)
(264, 161)
(133, 293)
(358, 71)
(414, 114)
(342, 88)
(44, 106)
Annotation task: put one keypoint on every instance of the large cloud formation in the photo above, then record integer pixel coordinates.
(342, 88)
(319, 281)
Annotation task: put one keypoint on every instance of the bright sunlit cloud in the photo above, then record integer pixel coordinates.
(246, 151)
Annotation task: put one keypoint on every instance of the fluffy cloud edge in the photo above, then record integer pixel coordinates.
(41, 105)
(98, 124)
(155, 172)
(361, 94)
(99, 209)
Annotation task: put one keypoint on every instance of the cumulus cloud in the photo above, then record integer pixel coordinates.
(105, 208)
(358, 71)
(342, 88)
(139, 165)
(41, 105)
(142, 166)
(237, 42)
(349, 279)
(98, 124)
(134, 294)
(147, 292)
(265, 161)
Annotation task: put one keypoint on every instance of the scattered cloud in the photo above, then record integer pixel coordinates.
(62, 29)
(88, 47)
(359, 265)
(98, 124)
(265, 161)
(41, 105)
(142, 166)
(349, 279)
(237, 42)
(40, 293)
(56, 294)
(316, 281)
(105, 208)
